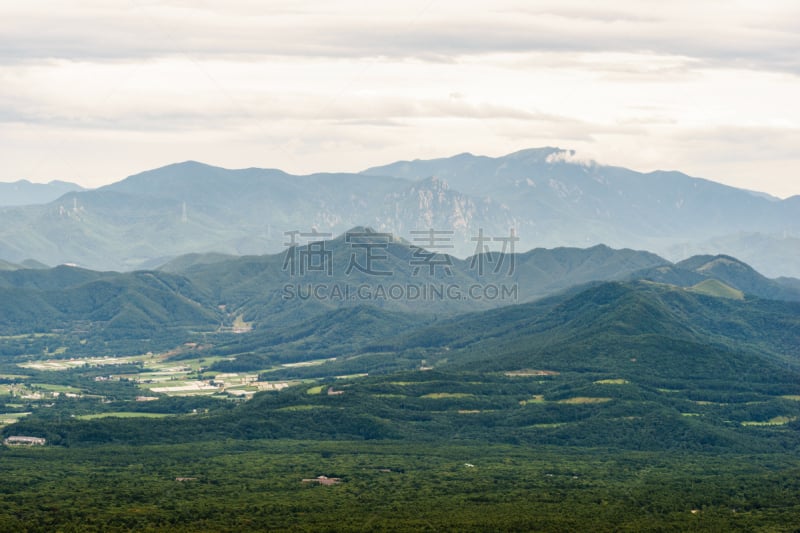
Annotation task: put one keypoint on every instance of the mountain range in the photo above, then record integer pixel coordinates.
(23, 192)
(270, 293)
(547, 196)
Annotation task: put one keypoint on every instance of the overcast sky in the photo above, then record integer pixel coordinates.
(92, 91)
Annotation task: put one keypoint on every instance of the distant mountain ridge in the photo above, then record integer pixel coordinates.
(548, 196)
(23, 192)
(773, 254)
(27, 264)
(569, 201)
(275, 290)
(728, 270)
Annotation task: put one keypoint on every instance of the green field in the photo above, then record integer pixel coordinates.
(612, 382)
(584, 400)
(445, 395)
(11, 418)
(121, 414)
(774, 421)
(55, 388)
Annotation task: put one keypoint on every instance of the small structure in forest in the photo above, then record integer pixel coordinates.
(324, 480)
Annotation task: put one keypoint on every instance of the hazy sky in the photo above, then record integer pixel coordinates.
(93, 91)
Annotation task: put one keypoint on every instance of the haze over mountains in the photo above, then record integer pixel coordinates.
(548, 196)
(23, 192)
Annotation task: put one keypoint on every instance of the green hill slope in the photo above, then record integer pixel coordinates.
(608, 324)
(714, 287)
(136, 305)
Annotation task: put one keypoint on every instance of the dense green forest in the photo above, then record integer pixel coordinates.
(233, 485)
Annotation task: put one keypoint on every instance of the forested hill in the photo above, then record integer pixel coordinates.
(359, 268)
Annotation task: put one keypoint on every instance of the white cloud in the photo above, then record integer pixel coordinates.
(95, 90)
(757, 34)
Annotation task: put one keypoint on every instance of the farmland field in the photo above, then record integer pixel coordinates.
(121, 414)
